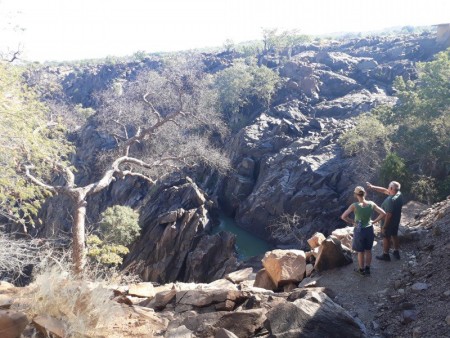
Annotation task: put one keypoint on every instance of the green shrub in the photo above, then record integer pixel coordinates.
(424, 189)
(367, 138)
(394, 169)
(119, 227)
(242, 85)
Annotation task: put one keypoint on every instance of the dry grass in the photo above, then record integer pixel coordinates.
(16, 255)
(81, 305)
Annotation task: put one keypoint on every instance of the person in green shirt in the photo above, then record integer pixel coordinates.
(389, 227)
(363, 235)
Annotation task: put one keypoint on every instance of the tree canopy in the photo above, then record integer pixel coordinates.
(27, 138)
(162, 122)
(245, 84)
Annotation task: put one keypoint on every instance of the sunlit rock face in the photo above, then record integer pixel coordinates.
(288, 159)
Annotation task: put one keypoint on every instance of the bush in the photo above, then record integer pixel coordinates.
(394, 169)
(367, 138)
(424, 189)
(119, 227)
(244, 85)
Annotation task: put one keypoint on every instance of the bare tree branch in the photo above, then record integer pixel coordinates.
(15, 56)
(130, 173)
(37, 181)
(70, 177)
(68, 190)
(154, 111)
(146, 132)
(124, 130)
(118, 137)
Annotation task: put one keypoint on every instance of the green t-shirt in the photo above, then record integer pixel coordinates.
(393, 204)
(363, 214)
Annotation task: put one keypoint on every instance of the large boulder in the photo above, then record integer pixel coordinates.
(337, 61)
(263, 280)
(224, 300)
(224, 333)
(142, 290)
(332, 255)
(316, 240)
(334, 85)
(314, 316)
(352, 104)
(49, 326)
(161, 299)
(12, 323)
(285, 266)
(345, 235)
(240, 275)
(241, 323)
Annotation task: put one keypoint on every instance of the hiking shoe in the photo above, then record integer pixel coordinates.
(384, 257)
(396, 254)
(360, 272)
(367, 270)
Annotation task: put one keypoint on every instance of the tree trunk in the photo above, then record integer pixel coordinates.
(78, 233)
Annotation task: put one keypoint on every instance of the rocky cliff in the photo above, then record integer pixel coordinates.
(174, 244)
(286, 160)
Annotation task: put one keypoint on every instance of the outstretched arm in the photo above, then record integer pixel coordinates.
(377, 189)
(346, 213)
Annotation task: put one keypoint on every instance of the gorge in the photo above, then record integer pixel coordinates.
(285, 158)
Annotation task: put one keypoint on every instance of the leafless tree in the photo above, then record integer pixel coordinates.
(10, 55)
(161, 123)
(290, 228)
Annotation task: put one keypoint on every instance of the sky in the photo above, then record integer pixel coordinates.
(80, 29)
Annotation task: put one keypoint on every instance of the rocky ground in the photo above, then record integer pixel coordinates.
(417, 301)
(402, 298)
(408, 297)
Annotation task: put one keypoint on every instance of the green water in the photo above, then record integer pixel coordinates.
(247, 245)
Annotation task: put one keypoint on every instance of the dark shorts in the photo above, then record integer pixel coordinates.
(392, 230)
(363, 239)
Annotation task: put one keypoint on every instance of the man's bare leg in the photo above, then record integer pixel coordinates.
(386, 244)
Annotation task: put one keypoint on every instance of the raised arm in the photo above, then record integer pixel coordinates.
(377, 189)
(346, 213)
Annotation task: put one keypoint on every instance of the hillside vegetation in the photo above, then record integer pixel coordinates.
(414, 133)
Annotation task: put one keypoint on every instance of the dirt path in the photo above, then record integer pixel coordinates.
(362, 295)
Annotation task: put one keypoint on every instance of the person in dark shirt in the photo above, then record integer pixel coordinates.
(389, 225)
